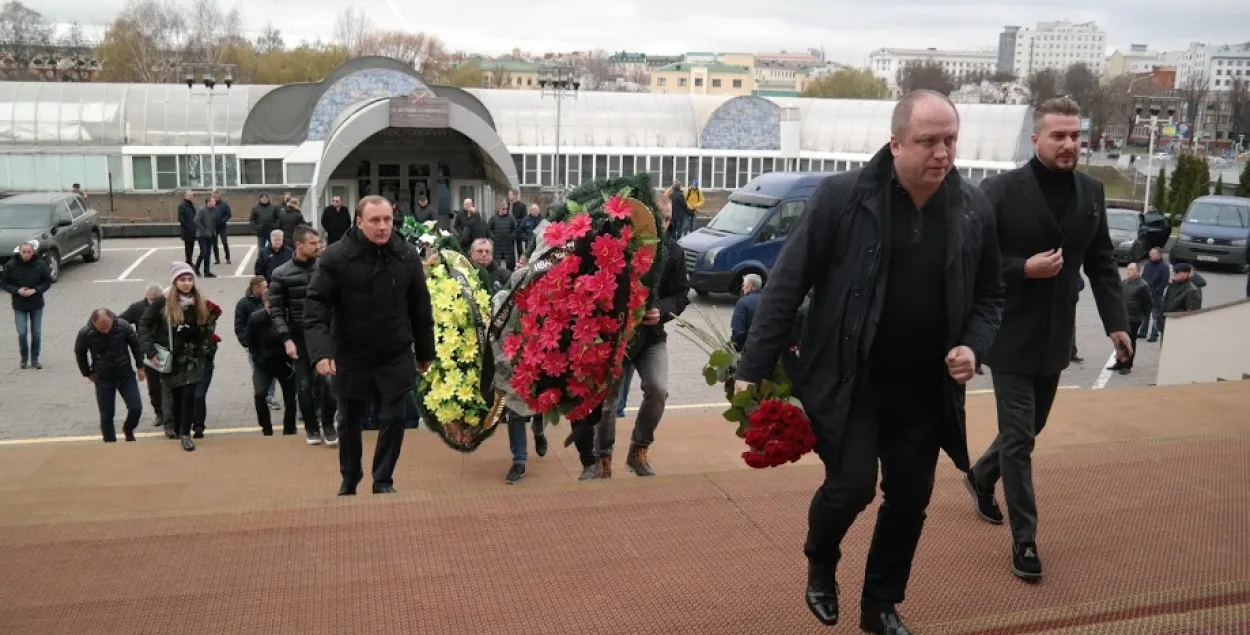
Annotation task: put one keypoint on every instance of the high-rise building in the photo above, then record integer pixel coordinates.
(1214, 67)
(1052, 45)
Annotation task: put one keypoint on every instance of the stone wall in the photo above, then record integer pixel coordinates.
(743, 123)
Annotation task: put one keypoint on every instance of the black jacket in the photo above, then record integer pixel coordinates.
(368, 309)
(1039, 314)
(839, 251)
(264, 219)
(425, 214)
(107, 356)
(499, 276)
(503, 228)
(134, 312)
(519, 210)
(20, 274)
(744, 314)
(1182, 297)
(267, 349)
(672, 295)
(470, 229)
(335, 221)
(287, 290)
(243, 309)
(186, 219)
(224, 214)
(288, 219)
(269, 260)
(1137, 299)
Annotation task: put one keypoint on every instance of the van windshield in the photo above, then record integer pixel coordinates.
(1218, 214)
(738, 218)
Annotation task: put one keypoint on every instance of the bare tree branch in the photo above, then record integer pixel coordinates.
(24, 35)
(351, 29)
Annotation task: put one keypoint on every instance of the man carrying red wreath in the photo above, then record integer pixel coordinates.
(650, 358)
(902, 260)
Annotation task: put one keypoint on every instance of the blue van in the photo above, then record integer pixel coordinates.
(1214, 231)
(746, 235)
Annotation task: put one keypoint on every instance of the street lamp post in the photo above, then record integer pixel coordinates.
(208, 76)
(1153, 120)
(558, 80)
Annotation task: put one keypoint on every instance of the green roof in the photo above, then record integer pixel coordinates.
(711, 68)
(779, 92)
(504, 65)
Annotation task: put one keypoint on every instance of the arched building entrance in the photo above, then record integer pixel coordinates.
(373, 126)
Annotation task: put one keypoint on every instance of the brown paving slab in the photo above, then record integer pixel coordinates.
(1144, 497)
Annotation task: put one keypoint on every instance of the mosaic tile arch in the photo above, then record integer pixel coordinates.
(362, 85)
(743, 123)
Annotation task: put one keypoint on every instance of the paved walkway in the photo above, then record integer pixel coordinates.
(1145, 502)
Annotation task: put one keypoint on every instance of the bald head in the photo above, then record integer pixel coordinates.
(919, 103)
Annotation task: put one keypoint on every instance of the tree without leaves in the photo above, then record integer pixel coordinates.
(598, 72)
(24, 35)
(497, 76)
(140, 45)
(351, 29)
(423, 52)
(1239, 100)
(926, 75)
(847, 83)
(1192, 93)
(1043, 85)
(270, 40)
(212, 34)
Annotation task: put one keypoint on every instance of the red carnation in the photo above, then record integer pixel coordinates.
(643, 259)
(579, 226)
(617, 208)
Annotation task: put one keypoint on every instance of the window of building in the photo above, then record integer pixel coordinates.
(574, 167)
(679, 170)
(167, 173)
(614, 167)
(531, 170)
(716, 83)
(661, 81)
(588, 168)
(144, 177)
(698, 81)
(545, 173)
(601, 166)
(666, 170)
(681, 81)
(300, 173)
(737, 83)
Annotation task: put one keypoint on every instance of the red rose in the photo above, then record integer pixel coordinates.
(755, 459)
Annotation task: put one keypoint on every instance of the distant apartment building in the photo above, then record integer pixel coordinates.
(703, 78)
(1136, 60)
(888, 63)
(1214, 67)
(1052, 45)
(505, 73)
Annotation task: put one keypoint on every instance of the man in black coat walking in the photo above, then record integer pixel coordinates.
(1052, 222)
(335, 220)
(902, 260)
(186, 225)
(370, 326)
(104, 349)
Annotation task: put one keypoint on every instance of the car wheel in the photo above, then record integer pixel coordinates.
(93, 248)
(53, 261)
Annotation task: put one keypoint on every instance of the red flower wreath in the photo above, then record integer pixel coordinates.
(778, 433)
(571, 343)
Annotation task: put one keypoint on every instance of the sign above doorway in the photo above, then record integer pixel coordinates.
(428, 112)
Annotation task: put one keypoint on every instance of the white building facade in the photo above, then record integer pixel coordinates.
(887, 63)
(1137, 60)
(1052, 45)
(1213, 67)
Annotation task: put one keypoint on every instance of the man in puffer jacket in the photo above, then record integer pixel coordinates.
(264, 219)
(252, 301)
(503, 231)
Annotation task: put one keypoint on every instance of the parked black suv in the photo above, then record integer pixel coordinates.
(62, 224)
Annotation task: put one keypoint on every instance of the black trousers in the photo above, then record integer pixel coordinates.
(1024, 403)
(1134, 329)
(183, 407)
(390, 439)
(893, 426)
(263, 375)
(317, 404)
(188, 245)
(223, 241)
(154, 392)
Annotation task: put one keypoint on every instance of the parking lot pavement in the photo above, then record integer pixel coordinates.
(57, 401)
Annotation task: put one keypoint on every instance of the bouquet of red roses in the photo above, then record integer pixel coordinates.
(576, 320)
(778, 433)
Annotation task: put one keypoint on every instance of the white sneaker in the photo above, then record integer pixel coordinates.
(313, 438)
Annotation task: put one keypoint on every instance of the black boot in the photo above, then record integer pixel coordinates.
(383, 489)
(348, 488)
(822, 593)
(170, 432)
(188, 444)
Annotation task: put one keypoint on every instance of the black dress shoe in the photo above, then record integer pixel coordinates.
(822, 594)
(383, 489)
(170, 432)
(188, 444)
(540, 444)
(348, 488)
(987, 507)
(882, 622)
(130, 434)
(198, 433)
(1025, 562)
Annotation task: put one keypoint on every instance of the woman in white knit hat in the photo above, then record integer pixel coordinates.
(182, 322)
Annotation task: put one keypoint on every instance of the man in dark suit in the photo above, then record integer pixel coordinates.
(901, 257)
(1052, 222)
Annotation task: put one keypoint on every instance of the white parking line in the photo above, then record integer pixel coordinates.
(135, 264)
(251, 251)
(1105, 375)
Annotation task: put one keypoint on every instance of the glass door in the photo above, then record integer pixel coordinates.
(461, 190)
(345, 190)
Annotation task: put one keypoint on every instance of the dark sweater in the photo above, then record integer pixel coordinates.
(1058, 186)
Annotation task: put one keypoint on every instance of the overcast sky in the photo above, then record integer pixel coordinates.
(846, 30)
